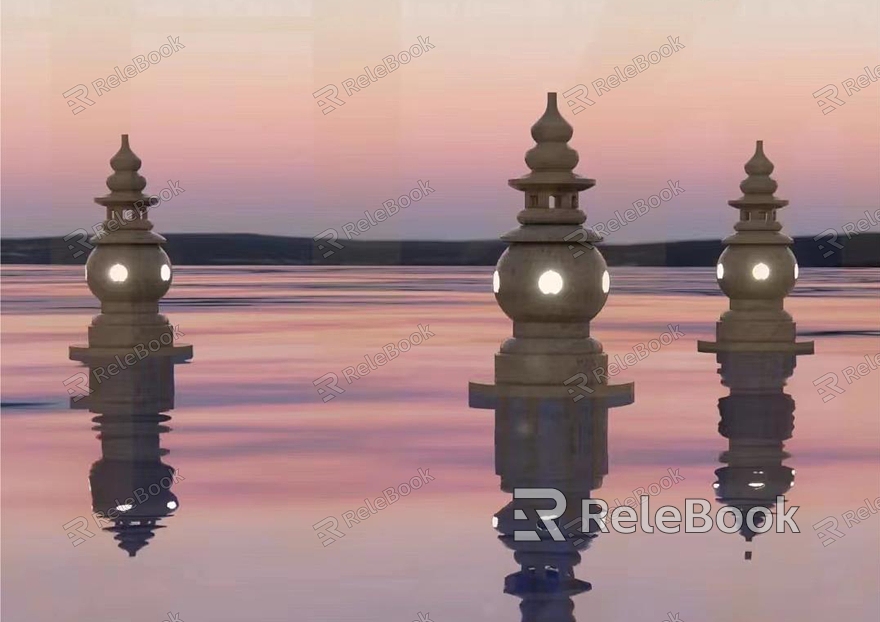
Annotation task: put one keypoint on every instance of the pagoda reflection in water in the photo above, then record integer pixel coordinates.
(559, 445)
(756, 347)
(757, 417)
(131, 486)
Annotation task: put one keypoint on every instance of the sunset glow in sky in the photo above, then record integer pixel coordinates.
(232, 118)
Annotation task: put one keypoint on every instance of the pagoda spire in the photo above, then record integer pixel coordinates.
(551, 182)
(758, 204)
(126, 203)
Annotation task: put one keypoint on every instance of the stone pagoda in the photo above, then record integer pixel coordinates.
(756, 271)
(129, 272)
(551, 280)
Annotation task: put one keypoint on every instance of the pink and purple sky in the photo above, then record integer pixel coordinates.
(232, 119)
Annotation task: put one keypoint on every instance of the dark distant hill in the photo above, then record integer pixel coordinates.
(207, 249)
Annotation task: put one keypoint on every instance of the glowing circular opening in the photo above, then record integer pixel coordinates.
(118, 273)
(165, 272)
(796, 270)
(606, 282)
(550, 282)
(719, 271)
(171, 505)
(760, 272)
(496, 282)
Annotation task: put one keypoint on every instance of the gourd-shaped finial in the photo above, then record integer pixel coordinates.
(551, 133)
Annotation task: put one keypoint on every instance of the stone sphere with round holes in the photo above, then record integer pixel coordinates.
(547, 283)
(753, 271)
(128, 272)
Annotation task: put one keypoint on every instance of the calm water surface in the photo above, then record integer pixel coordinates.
(261, 458)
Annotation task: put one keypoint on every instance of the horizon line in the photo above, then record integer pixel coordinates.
(387, 241)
